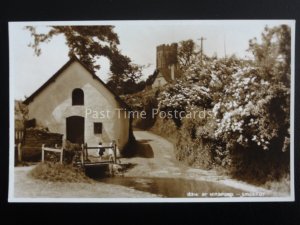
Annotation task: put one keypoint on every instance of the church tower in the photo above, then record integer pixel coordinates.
(166, 60)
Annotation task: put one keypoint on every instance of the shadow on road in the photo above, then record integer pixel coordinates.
(128, 166)
(140, 148)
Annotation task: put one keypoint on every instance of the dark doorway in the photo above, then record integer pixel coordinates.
(75, 129)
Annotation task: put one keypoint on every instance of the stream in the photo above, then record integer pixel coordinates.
(154, 169)
(174, 187)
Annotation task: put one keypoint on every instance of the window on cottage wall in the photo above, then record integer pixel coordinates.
(97, 128)
(77, 97)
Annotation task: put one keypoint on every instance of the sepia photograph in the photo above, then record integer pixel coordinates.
(152, 111)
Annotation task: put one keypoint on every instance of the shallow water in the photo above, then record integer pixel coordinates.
(175, 187)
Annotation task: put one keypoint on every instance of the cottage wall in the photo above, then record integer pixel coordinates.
(159, 82)
(53, 105)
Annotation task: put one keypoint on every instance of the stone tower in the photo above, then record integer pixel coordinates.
(166, 60)
(166, 55)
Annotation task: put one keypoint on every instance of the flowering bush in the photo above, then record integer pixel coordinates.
(182, 96)
(247, 127)
(248, 113)
(200, 86)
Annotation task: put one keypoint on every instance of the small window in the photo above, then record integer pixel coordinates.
(98, 128)
(77, 97)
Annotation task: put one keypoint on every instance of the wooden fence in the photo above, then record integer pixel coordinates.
(58, 150)
(84, 161)
(19, 136)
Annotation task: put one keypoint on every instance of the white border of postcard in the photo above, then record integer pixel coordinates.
(12, 65)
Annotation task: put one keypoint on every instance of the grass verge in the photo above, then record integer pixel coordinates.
(58, 173)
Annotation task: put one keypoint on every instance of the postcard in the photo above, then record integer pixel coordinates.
(152, 111)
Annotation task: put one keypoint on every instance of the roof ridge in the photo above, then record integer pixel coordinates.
(73, 58)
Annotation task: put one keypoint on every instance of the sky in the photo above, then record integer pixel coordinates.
(138, 40)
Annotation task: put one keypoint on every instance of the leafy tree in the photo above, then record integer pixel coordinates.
(86, 42)
(152, 77)
(273, 54)
(21, 112)
(128, 82)
(186, 53)
(89, 43)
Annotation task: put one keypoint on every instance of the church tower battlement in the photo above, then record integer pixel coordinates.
(166, 55)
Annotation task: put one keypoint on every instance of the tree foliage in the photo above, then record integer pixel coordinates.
(86, 42)
(273, 54)
(186, 53)
(89, 43)
(128, 82)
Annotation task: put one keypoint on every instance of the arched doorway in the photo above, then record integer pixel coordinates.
(75, 129)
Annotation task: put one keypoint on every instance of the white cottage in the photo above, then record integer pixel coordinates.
(78, 104)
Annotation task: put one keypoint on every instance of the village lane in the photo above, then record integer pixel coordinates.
(154, 172)
(156, 159)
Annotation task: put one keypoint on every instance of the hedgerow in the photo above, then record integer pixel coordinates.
(247, 129)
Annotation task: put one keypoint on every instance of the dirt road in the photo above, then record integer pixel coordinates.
(156, 159)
